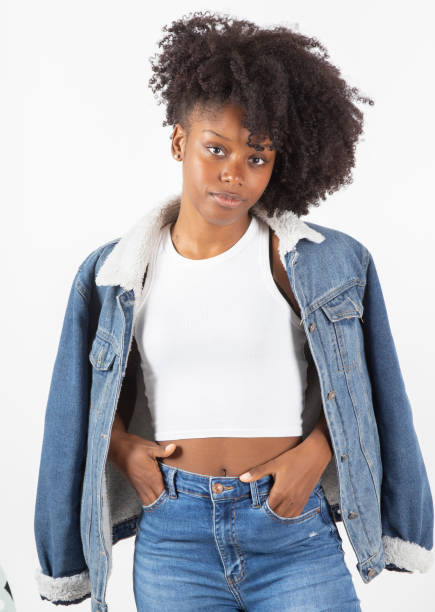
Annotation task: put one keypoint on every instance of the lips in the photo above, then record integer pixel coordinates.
(227, 200)
(228, 194)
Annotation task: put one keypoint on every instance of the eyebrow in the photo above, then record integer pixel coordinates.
(226, 138)
(220, 135)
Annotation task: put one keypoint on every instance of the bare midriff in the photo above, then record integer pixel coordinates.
(225, 456)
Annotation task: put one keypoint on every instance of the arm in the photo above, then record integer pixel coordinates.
(127, 397)
(406, 500)
(124, 411)
(318, 442)
(63, 577)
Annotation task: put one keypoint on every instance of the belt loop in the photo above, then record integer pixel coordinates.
(171, 482)
(254, 494)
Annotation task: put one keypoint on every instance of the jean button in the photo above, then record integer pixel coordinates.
(217, 487)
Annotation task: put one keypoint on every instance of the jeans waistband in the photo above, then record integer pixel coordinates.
(214, 487)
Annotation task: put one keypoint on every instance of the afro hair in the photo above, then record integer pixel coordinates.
(288, 91)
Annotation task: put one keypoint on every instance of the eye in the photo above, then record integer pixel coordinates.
(255, 157)
(214, 147)
(263, 160)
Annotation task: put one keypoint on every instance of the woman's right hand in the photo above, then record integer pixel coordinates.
(136, 458)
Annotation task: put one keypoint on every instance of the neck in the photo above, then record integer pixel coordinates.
(195, 237)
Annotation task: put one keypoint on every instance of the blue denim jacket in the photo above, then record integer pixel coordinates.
(376, 482)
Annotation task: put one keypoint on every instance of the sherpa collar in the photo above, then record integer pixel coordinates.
(126, 263)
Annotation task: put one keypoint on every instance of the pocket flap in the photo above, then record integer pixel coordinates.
(102, 354)
(345, 305)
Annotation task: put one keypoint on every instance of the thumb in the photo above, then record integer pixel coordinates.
(163, 451)
(257, 472)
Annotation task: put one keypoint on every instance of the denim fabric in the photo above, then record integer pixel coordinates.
(214, 542)
(376, 482)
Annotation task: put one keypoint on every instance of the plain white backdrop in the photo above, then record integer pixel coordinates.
(83, 155)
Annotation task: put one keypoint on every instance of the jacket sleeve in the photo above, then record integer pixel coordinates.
(406, 500)
(63, 576)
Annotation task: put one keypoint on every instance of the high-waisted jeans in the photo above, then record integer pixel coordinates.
(213, 543)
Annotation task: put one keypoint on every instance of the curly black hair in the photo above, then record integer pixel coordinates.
(287, 89)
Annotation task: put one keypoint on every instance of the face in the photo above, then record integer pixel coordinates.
(216, 158)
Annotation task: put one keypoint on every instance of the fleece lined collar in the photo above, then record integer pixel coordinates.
(126, 263)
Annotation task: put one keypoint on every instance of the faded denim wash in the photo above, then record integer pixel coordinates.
(214, 543)
(376, 482)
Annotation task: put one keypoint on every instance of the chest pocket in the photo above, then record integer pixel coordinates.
(344, 317)
(102, 354)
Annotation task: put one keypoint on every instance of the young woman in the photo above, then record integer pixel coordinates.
(236, 316)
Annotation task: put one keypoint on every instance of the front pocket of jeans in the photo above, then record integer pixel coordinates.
(164, 495)
(300, 518)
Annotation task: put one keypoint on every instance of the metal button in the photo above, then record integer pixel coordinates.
(344, 457)
(218, 487)
(331, 394)
(312, 327)
(352, 515)
(371, 572)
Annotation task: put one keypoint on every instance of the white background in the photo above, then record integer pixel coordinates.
(83, 156)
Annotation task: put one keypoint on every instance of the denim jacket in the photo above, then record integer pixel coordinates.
(376, 482)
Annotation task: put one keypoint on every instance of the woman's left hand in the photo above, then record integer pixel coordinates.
(296, 473)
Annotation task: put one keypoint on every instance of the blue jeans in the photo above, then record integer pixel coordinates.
(213, 542)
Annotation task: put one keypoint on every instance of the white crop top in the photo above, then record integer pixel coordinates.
(222, 351)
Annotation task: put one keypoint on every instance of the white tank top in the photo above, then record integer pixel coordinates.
(222, 351)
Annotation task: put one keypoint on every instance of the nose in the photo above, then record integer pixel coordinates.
(232, 173)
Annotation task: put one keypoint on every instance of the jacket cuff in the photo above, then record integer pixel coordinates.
(65, 589)
(405, 555)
